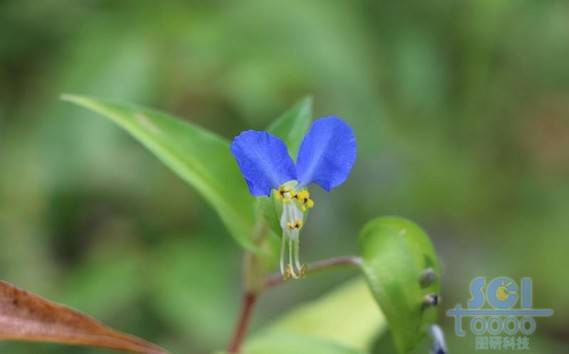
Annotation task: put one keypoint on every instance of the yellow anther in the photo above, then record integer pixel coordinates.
(303, 198)
(288, 272)
(296, 225)
(285, 193)
(303, 270)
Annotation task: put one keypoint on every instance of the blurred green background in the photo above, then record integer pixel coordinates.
(461, 111)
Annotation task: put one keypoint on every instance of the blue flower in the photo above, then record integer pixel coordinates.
(326, 157)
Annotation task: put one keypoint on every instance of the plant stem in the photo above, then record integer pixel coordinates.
(249, 300)
(250, 297)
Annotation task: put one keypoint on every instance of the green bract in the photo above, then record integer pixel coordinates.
(292, 125)
(396, 253)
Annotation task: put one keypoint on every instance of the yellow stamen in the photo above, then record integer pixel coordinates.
(296, 225)
(303, 270)
(304, 200)
(294, 204)
(285, 193)
(288, 272)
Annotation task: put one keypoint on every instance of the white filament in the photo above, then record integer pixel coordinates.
(291, 223)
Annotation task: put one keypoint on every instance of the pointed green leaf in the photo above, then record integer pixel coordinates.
(198, 156)
(345, 321)
(293, 124)
(396, 252)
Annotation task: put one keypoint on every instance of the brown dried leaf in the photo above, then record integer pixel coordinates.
(28, 317)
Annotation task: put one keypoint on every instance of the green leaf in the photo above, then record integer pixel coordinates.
(294, 343)
(293, 124)
(198, 156)
(345, 321)
(395, 254)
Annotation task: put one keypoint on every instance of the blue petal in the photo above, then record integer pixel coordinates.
(264, 161)
(327, 153)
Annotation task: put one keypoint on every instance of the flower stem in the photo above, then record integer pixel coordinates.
(249, 300)
(277, 278)
(250, 297)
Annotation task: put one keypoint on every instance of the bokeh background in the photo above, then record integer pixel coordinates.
(461, 111)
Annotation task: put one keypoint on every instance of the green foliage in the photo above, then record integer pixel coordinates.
(288, 343)
(198, 156)
(346, 320)
(292, 125)
(396, 252)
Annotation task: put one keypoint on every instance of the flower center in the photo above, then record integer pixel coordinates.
(286, 193)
